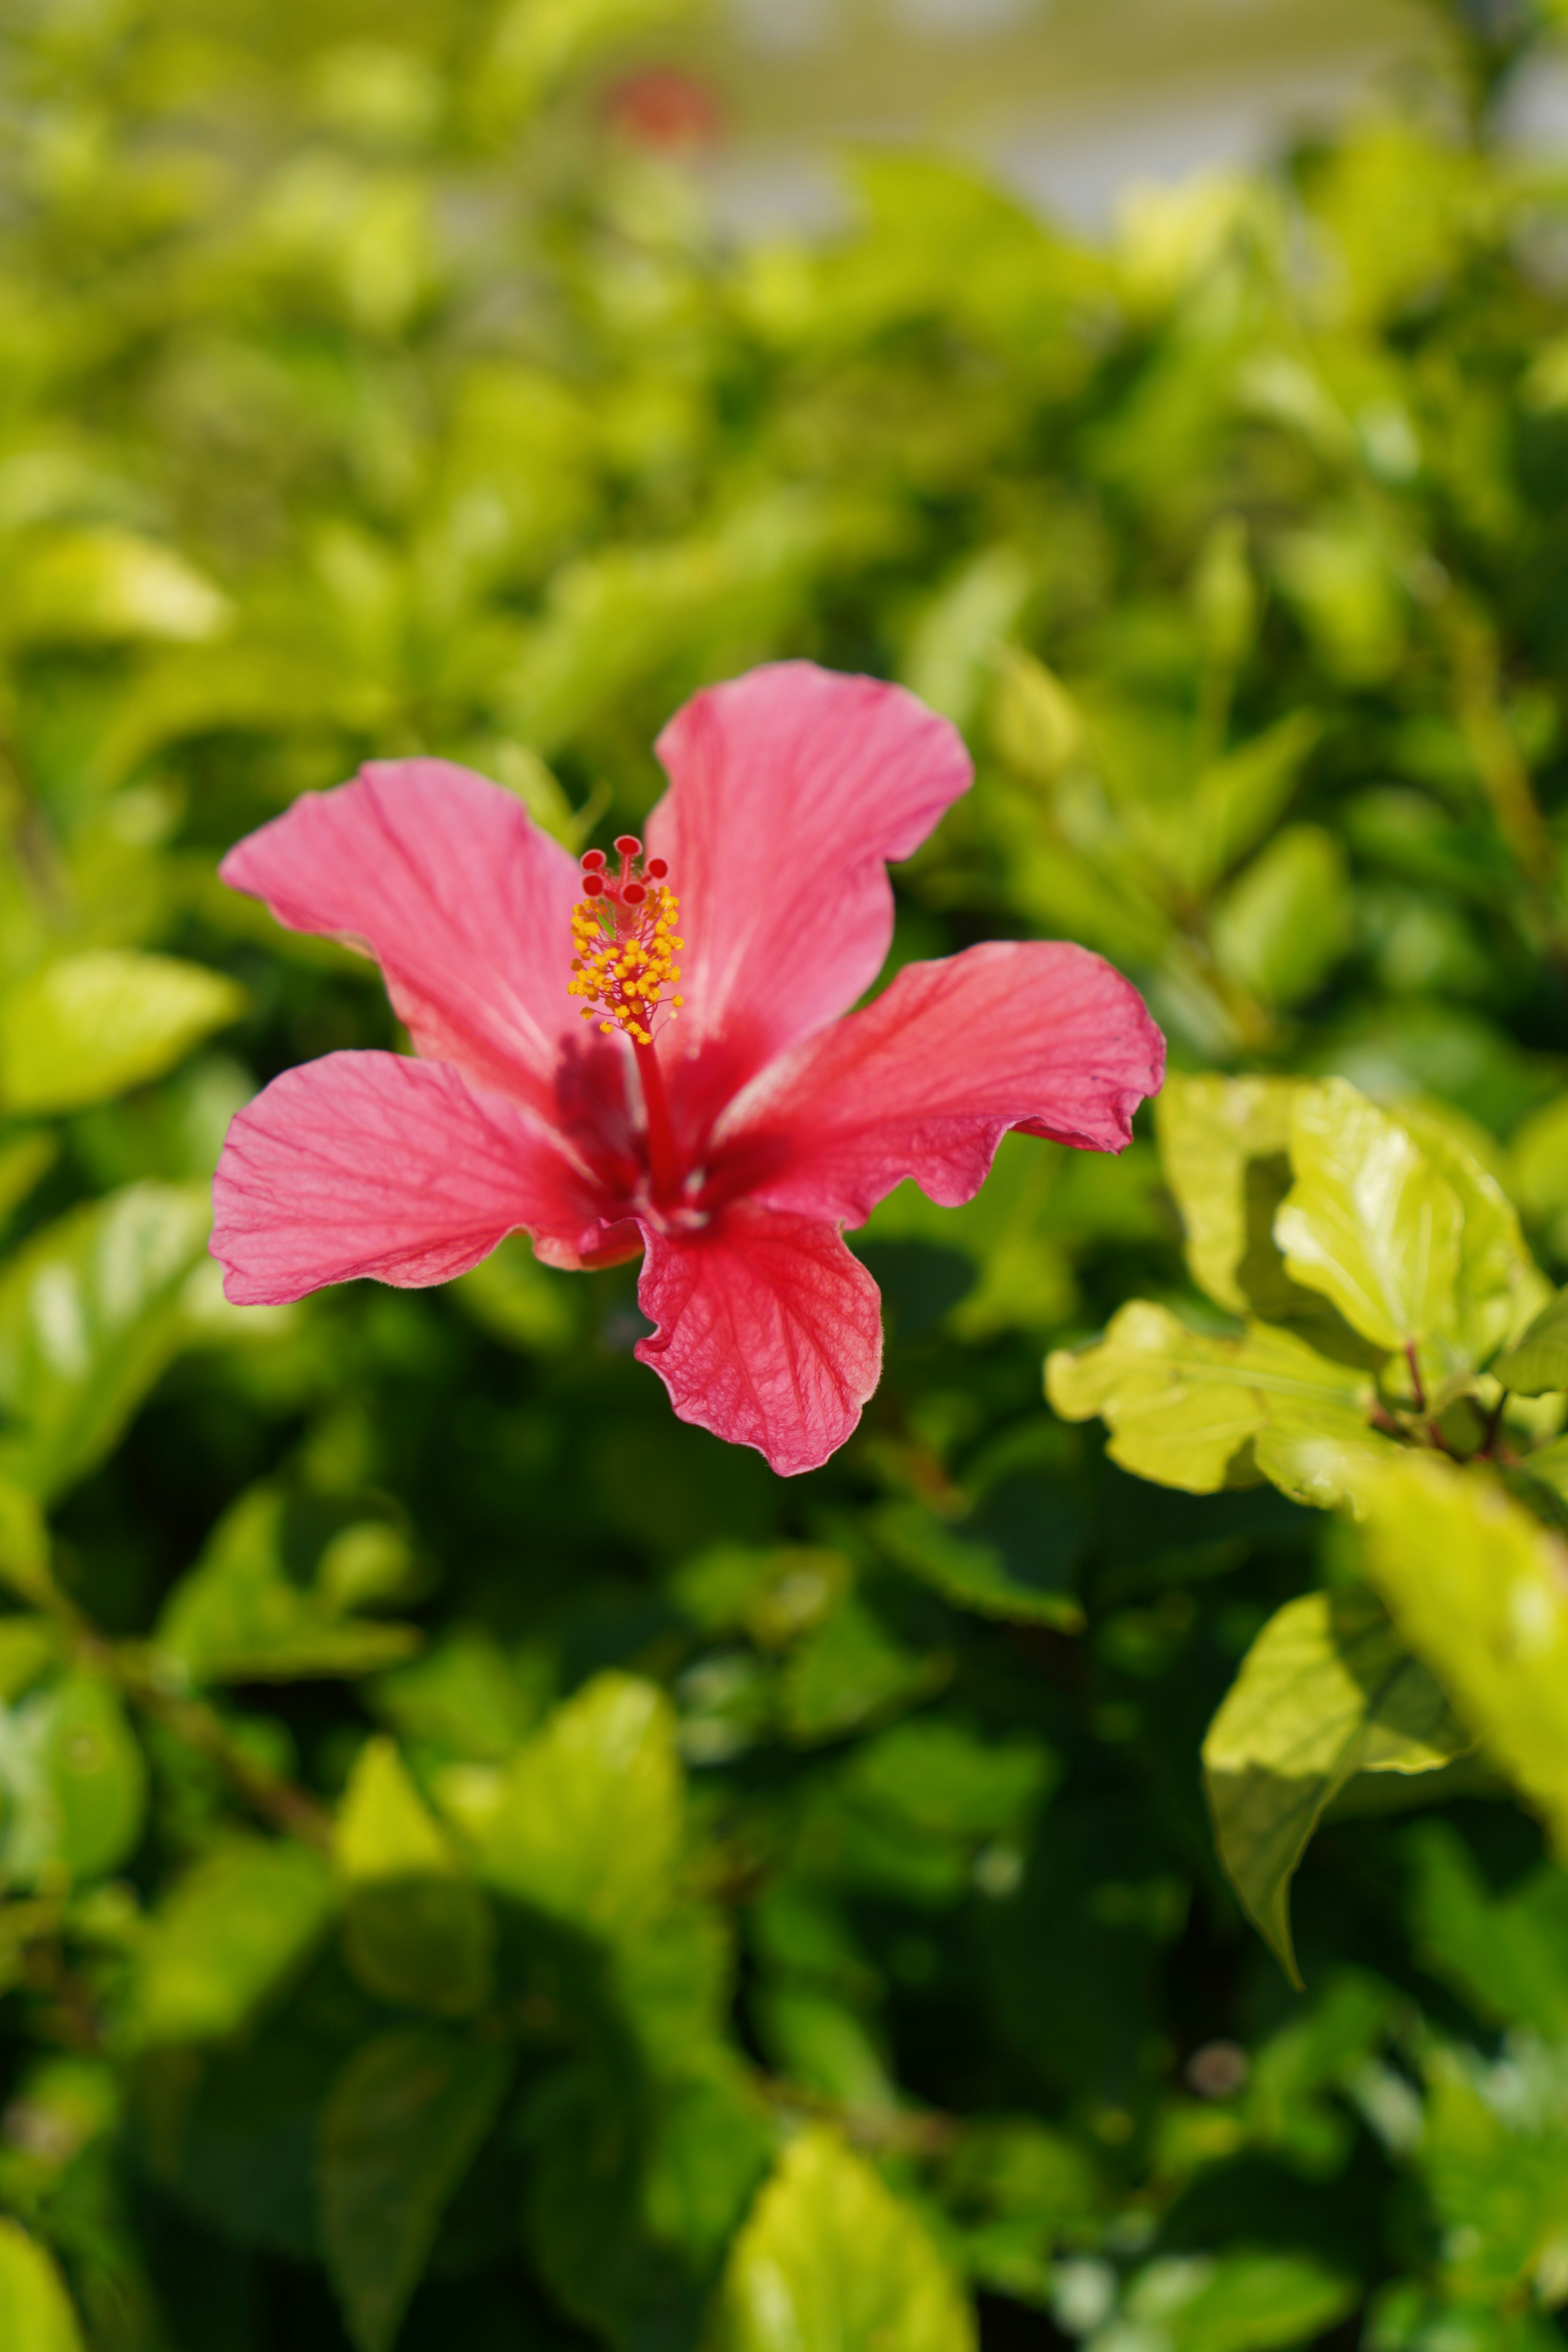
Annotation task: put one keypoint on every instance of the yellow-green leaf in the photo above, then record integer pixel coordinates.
(586, 1819)
(1370, 1221)
(1478, 1589)
(85, 587)
(830, 2256)
(1182, 1406)
(36, 2313)
(1326, 1691)
(1219, 1137)
(416, 1931)
(241, 1919)
(1538, 1364)
(89, 1026)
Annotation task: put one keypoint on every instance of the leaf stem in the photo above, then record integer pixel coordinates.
(198, 1726)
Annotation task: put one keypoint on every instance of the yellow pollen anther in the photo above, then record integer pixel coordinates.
(625, 942)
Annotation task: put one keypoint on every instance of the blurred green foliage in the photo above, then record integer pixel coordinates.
(481, 1857)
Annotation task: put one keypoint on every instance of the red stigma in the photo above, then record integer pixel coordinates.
(656, 869)
(633, 894)
(592, 885)
(593, 861)
(627, 844)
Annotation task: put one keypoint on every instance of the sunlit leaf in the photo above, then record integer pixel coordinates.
(1538, 1363)
(1222, 1150)
(1182, 1407)
(586, 1821)
(1370, 1221)
(830, 2256)
(238, 1921)
(36, 2313)
(1479, 1589)
(414, 1930)
(1325, 1691)
(88, 1026)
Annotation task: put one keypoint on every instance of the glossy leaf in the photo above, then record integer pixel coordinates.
(1325, 1691)
(830, 2256)
(1370, 1221)
(401, 2124)
(88, 1026)
(1183, 1407)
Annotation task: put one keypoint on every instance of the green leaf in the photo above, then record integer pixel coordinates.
(1285, 922)
(268, 1600)
(89, 1026)
(461, 1697)
(22, 1163)
(414, 1931)
(24, 1544)
(1212, 1134)
(1369, 1222)
(87, 586)
(36, 2313)
(1325, 1691)
(74, 1782)
(1241, 2302)
(851, 1671)
(89, 1315)
(1537, 1365)
(1494, 2155)
(974, 1573)
(830, 2256)
(1499, 1286)
(1234, 802)
(402, 2122)
(1505, 1955)
(587, 1821)
(1183, 1407)
(241, 1919)
(1477, 1586)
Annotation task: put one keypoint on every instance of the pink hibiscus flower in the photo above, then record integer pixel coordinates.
(613, 1076)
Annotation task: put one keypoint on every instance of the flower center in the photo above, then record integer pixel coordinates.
(623, 928)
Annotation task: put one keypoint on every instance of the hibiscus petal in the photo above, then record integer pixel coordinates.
(790, 788)
(463, 902)
(926, 1081)
(376, 1164)
(769, 1333)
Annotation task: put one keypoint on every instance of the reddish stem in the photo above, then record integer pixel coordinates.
(662, 1164)
(1417, 1382)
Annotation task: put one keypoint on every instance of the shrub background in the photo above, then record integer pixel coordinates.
(362, 397)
